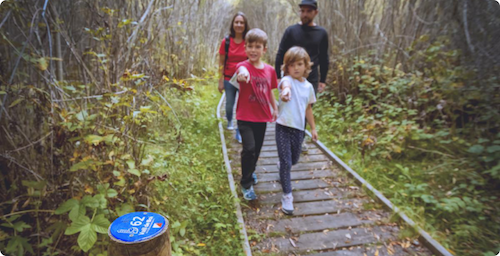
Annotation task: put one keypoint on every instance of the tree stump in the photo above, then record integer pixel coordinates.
(140, 234)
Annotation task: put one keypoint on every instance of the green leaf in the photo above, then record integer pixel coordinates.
(135, 172)
(93, 139)
(124, 209)
(100, 224)
(77, 211)
(78, 225)
(70, 88)
(2, 93)
(493, 149)
(81, 116)
(83, 165)
(67, 206)
(17, 245)
(131, 164)
(16, 102)
(91, 202)
(112, 193)
(147, 161)
(18, 226)
(101, 201)
(87, 238)
(476, 149)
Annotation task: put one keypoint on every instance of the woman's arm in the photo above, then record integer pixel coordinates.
(310, 121)
(222, 57)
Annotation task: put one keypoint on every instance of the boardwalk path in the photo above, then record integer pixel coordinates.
(332, 216)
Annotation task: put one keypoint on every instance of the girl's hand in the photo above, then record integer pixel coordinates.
(243, 75)
(314, 135)
(286, 94)
(221, 85)
(275, 115)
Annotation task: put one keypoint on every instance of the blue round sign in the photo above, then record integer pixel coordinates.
(137, 226)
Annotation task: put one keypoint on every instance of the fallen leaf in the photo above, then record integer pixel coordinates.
(348, 236)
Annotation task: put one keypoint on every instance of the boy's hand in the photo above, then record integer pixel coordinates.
(243, 75)
(286, 94)
(275, 115)
(314, 135)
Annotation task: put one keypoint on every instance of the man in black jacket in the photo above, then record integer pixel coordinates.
(311, 37)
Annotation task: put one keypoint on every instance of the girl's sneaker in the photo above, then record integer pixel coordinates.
(230, 126)
(287, 204)
(255, 181)
(248, 194)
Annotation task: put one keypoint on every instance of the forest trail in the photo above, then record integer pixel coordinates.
(332, 216)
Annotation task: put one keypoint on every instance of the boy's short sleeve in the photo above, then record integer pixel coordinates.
(222, 48)
(312, 95)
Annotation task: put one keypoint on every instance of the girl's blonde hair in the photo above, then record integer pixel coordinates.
(295, 54)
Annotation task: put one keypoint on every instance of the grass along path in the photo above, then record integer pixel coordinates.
(195, 194)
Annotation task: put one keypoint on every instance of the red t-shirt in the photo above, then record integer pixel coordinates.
(236, 54)
(255, 97)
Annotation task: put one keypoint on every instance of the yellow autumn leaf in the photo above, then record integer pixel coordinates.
(201, 244)
(42, 64)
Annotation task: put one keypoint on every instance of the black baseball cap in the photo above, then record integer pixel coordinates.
(312, 3)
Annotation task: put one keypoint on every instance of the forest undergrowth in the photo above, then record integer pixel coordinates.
(171, 165)
(429, 140)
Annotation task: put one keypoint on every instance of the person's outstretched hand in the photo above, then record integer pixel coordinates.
(243, 75)
(286, 94)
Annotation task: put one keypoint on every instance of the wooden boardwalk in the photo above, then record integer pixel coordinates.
(333, 216)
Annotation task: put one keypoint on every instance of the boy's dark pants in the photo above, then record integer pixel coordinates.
(252, 136)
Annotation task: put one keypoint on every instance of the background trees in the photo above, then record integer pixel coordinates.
(81, 79)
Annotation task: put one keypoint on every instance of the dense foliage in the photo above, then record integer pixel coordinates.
(428, 139)
(98, 119)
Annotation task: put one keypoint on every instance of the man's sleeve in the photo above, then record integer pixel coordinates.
(323, 58)
(284, 46)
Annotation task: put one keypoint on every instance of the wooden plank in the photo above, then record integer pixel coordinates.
(263, 187)
(309, 195)
(318, 223)
(368, 251)
(302, 159)
(309, 208)
(298, 175)
(273, 143)
(298, 167)
(274, 153)
(337, 239)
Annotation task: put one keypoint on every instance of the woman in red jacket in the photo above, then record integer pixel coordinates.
(227, 63)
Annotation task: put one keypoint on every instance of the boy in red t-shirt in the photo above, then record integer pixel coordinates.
(256, 80)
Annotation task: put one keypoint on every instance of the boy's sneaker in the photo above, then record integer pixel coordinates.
(230, 126)
(255, 181)
(287, 204)
(248, 194)
(238, 137)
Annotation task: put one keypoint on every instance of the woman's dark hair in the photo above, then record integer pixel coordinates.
(231, 29)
